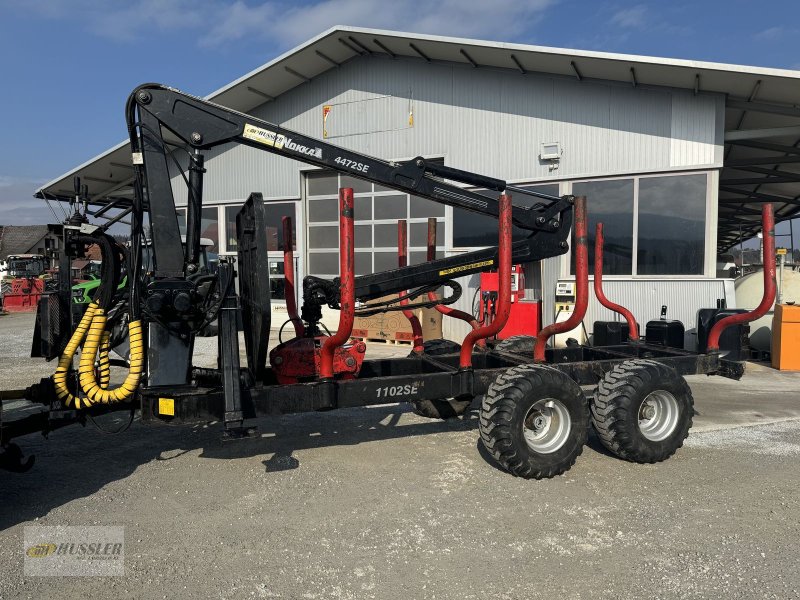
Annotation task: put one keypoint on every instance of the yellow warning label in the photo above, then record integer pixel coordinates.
(477, 265)
(166, 407)
(263, 136)
(780, 251)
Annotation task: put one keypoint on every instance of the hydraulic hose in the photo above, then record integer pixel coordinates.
(91, 331)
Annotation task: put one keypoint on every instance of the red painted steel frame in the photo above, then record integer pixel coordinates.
(599, 240)
(288, 272)
(581, 283)
(768, 300)
(504, 285)
(402, 261)
(347, 301)
(446, 310)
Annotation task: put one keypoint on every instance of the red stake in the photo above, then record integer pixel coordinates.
(402, 261)
(446, 310)
(768, 300)
(347, 290)
(288, 272)
(599, 240)
(503, 284)
(581, 283)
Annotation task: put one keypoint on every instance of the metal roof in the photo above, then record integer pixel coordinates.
(762, 117)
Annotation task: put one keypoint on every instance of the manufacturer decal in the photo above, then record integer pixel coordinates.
(477, 265)
(278, 141)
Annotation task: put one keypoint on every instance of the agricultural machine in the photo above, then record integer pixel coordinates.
(534, 413)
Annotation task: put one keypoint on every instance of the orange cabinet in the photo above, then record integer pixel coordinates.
(786, 337)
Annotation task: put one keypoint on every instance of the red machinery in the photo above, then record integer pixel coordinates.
(21, 294)
(526, 315)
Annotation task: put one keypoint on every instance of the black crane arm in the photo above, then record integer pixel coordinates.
(199, 124)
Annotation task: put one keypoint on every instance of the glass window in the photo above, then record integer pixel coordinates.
(181, 214)
(359, 185)
(363, 235)
(672, 216)
(275, 211)
(609, 202)
(323, 210)
(323, 263)
(209, 228)
(418, 257)
(363, 263)
(474, 230)
(323, 236)
(385, 261)
(322, 184)
(391, 207)
(422, 207)
(362, 208)
(418, 234)
(386, 236)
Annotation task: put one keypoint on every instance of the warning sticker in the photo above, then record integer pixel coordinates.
(477, 265)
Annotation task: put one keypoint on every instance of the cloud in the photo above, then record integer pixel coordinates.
(218, 22)
(776, 33)
(17, 204)
(634, 17)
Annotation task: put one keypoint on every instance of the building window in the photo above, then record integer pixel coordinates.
(609, 202)
(672, 224)
(472, 230)
(275, 211)
(670, 217)
(377, 211)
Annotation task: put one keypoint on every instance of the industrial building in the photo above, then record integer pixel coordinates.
(675, 157)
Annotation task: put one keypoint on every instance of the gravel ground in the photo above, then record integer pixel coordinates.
(380, 503)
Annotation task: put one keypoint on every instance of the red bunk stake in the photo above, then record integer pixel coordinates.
(402, 261)
(581, 283)
(599, 240)
(768, 300)
(504, 285)
(288, 271)
(446, 310)
(347, 301)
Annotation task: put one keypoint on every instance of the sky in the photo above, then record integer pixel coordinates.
(67, 66)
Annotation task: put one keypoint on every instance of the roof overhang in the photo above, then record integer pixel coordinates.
(762, 120)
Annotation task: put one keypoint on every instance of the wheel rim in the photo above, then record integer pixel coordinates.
(547, 426)
(658, 415)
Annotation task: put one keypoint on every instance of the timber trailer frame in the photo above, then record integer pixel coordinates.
(534, 416)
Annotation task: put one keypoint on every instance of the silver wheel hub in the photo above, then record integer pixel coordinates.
(547, 426)
(658, 415)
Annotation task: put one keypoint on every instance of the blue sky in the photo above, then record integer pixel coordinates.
(68, 65)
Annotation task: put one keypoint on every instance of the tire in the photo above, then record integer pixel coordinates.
(642, 411)
(521, 344)
(515, 402)
(437, 347)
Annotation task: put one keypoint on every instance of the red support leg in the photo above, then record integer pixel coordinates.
(446, 310)
(581, 283)
(347, 301)
(768, 300)
(288, 271)
(599, 240)
(402, 261)
(504, 285)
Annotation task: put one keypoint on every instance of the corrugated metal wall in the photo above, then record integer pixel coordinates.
(491, 122)
(488, 121)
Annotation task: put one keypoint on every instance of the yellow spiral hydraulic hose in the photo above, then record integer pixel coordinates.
(92, 328)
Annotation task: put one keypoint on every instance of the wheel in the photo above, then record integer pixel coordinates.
(521, 344)
(642, 411)
(534, 421)
(437, 347)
